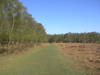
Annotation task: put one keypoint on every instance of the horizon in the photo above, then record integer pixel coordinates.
(64, 16)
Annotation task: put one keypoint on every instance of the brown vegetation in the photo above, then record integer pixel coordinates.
(87, 55)
(18, 48)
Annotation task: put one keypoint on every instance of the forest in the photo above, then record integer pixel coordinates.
(17, 26)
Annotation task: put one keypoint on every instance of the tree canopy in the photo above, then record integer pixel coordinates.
(16, 24)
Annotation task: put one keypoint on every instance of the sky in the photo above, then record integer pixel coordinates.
(63, 16)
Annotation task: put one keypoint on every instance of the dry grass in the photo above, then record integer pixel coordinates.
(88, 55)
(18, 48)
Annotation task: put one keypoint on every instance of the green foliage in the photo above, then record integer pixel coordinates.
(91, 37)
(17, 25)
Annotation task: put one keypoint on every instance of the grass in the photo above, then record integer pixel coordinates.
(43, 61)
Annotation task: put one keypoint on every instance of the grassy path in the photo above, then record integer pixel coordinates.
(45, 61)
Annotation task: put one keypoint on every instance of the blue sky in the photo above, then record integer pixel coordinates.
(63, 16)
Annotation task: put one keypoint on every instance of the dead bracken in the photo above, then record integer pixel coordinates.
(87, 54)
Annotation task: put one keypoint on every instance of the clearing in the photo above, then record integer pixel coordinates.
(46, 60)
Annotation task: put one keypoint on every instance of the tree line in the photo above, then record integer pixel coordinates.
(18, 30)
(17, 25)
(91, 37)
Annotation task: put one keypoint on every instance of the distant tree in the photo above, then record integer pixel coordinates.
(92, 37)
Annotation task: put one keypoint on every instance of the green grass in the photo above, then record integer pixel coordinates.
(43, 61)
